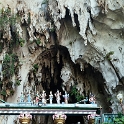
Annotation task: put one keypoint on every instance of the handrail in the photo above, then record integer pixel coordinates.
(1, 100)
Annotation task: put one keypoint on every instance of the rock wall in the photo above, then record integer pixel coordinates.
(60, 44)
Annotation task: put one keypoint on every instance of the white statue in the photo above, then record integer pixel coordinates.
(29, 97)
(43, 96)
(57, 95)
(37, 98)
(51, 97)
(66, 96)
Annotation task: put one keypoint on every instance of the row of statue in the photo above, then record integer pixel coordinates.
(42, 97)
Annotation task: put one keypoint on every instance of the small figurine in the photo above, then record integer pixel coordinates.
(43, 96)
(85, 100)
(22, 97)
(66, 96)
(57, 95)
(37, 98)
(92, 99)
(29, 97)
(51, 97)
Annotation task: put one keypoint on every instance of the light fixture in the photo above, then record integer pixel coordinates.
(120, 97)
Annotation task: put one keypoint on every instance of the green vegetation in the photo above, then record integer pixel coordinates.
(37, 41)
(8, 66)
(3, 92)
(17, 82)
(12, 92)
(9, 69)
(52, 29)
(29, 18)
(21, 42)
(74, 92)
(12, 40)
(117, 120)
(108, 55)
(35, 68)
(8, 20)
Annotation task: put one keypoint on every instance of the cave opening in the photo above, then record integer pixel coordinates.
(74, 119)
(98, 87)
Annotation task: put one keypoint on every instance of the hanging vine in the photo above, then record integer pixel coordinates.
(10, 67)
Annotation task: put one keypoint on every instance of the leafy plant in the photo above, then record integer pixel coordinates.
(9, 68)
(52, 29)
(38, 41)
(17, 82)
(119, 119)
(3, 92)
(12, 92)
(12, 20)
(76, 94)
(29, 18)
(108, 55)
(6, 18)
(21, 42)
(35, 67)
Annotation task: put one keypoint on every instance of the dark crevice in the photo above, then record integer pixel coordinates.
(98, 86)
(74, 120)
(120, 79)
(76, 21)
(68, 16)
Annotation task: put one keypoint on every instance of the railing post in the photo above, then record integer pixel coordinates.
(59, 118)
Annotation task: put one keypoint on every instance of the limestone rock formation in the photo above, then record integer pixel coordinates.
(62, 44)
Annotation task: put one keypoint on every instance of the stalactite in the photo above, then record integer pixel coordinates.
(43, 76)
(58, 57)
(52, 68)
(81, 67)
(87, 87)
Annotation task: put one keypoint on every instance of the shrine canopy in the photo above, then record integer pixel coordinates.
(48, 109)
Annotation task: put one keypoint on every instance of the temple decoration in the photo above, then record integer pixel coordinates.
(66, 97)
(57, 95)
(43, 97)
(51, 97)
(25, 118)
(92, 99)
(59, 118)
(120, 97)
